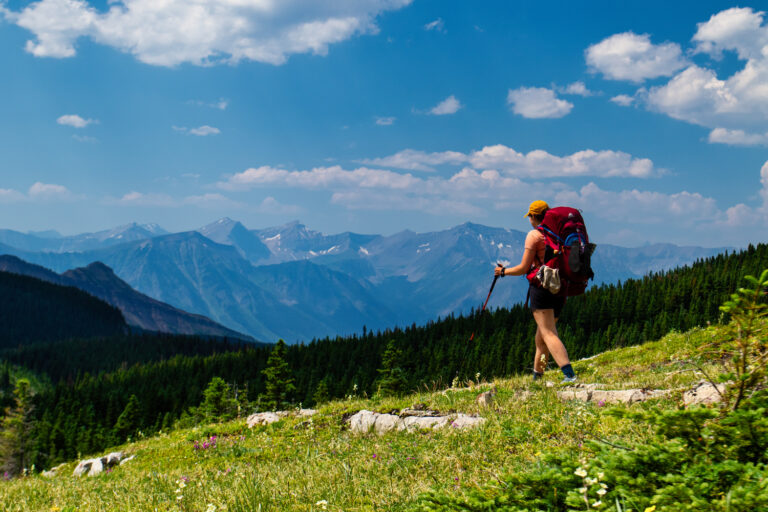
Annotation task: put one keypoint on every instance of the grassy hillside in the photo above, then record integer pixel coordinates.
(317, 464)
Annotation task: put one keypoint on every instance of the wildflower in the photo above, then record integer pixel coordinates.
(601, 492)
(374, 455)
(590, 481)
(55, 509)
(597, 504)
(323, 504)
(211, 508)
(650, 509)
(580, 472)
(601, 403)
(600, 475)
(583, 490)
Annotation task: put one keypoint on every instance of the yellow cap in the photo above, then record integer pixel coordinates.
(537, 208)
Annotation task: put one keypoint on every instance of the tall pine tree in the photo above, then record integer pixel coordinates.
(278, 379)
(15, 434)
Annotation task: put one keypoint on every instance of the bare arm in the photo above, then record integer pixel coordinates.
(525, 263)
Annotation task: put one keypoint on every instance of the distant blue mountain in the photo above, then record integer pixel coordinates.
(294, 283)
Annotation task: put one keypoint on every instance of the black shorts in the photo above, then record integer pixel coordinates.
(542, 299)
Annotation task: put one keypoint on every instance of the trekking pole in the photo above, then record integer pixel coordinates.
(495, 278)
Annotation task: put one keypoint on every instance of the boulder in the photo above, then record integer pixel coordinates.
(265, 418)
(89, 467)
(92, 467)
(704, 393)
(262, 418)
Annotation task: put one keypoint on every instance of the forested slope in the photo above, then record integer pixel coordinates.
(32, 310)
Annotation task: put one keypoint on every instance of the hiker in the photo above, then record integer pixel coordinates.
(546, 307)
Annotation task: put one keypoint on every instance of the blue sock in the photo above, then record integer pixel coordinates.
(568, 371)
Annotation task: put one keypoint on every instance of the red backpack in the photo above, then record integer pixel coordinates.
(568, 250)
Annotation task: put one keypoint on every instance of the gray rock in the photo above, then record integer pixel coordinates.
(466, 421)
(368, 421)
(362, 421)
(385, 423)
(262, 418)
(265, 418)
(704, 393)
(89, 467)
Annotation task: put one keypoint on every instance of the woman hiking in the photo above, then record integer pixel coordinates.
(546, 306)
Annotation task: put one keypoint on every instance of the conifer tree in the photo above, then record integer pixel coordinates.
(278, 379)
(15, 434)
(392, 379)
(321, 392)
(218, 403)
(128, 421)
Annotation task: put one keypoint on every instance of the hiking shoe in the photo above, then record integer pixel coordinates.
(568, 380)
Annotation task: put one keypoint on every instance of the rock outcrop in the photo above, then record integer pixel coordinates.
(265, 418)
(92, 467)
(409, 419)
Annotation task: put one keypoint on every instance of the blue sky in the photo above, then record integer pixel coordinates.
(382, 115)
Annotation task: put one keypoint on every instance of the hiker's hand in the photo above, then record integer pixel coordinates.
(499, 270)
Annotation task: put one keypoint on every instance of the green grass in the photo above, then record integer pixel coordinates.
(307, 465)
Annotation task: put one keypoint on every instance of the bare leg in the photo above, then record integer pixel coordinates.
(546, 328)
(542, 352)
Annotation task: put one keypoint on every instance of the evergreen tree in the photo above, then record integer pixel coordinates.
(392, 379)
(218, 403)
(15, 434)
(128, 421)
(321, 392)
(278, 379)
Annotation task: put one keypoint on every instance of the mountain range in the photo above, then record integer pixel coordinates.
(294, 283)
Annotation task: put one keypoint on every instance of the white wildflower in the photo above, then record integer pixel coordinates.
(580, 472)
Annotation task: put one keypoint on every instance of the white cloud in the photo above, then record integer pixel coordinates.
(75, 121)
(735, 106)
(630, 56)
(319, 177)
(539, 164)
(418, 160)
(449, 105)
(49, 192)
(737, 137)
(8, 195)
(385, 121)
(200, 131)
(204, 130)
(640, 206)
(438, 25)
(578, 89)
(623, 99)
(173, 32)
(738, 29)
(38, 192)
(535, 164)
(537, 103)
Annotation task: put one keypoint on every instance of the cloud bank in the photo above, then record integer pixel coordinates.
(199, 32)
